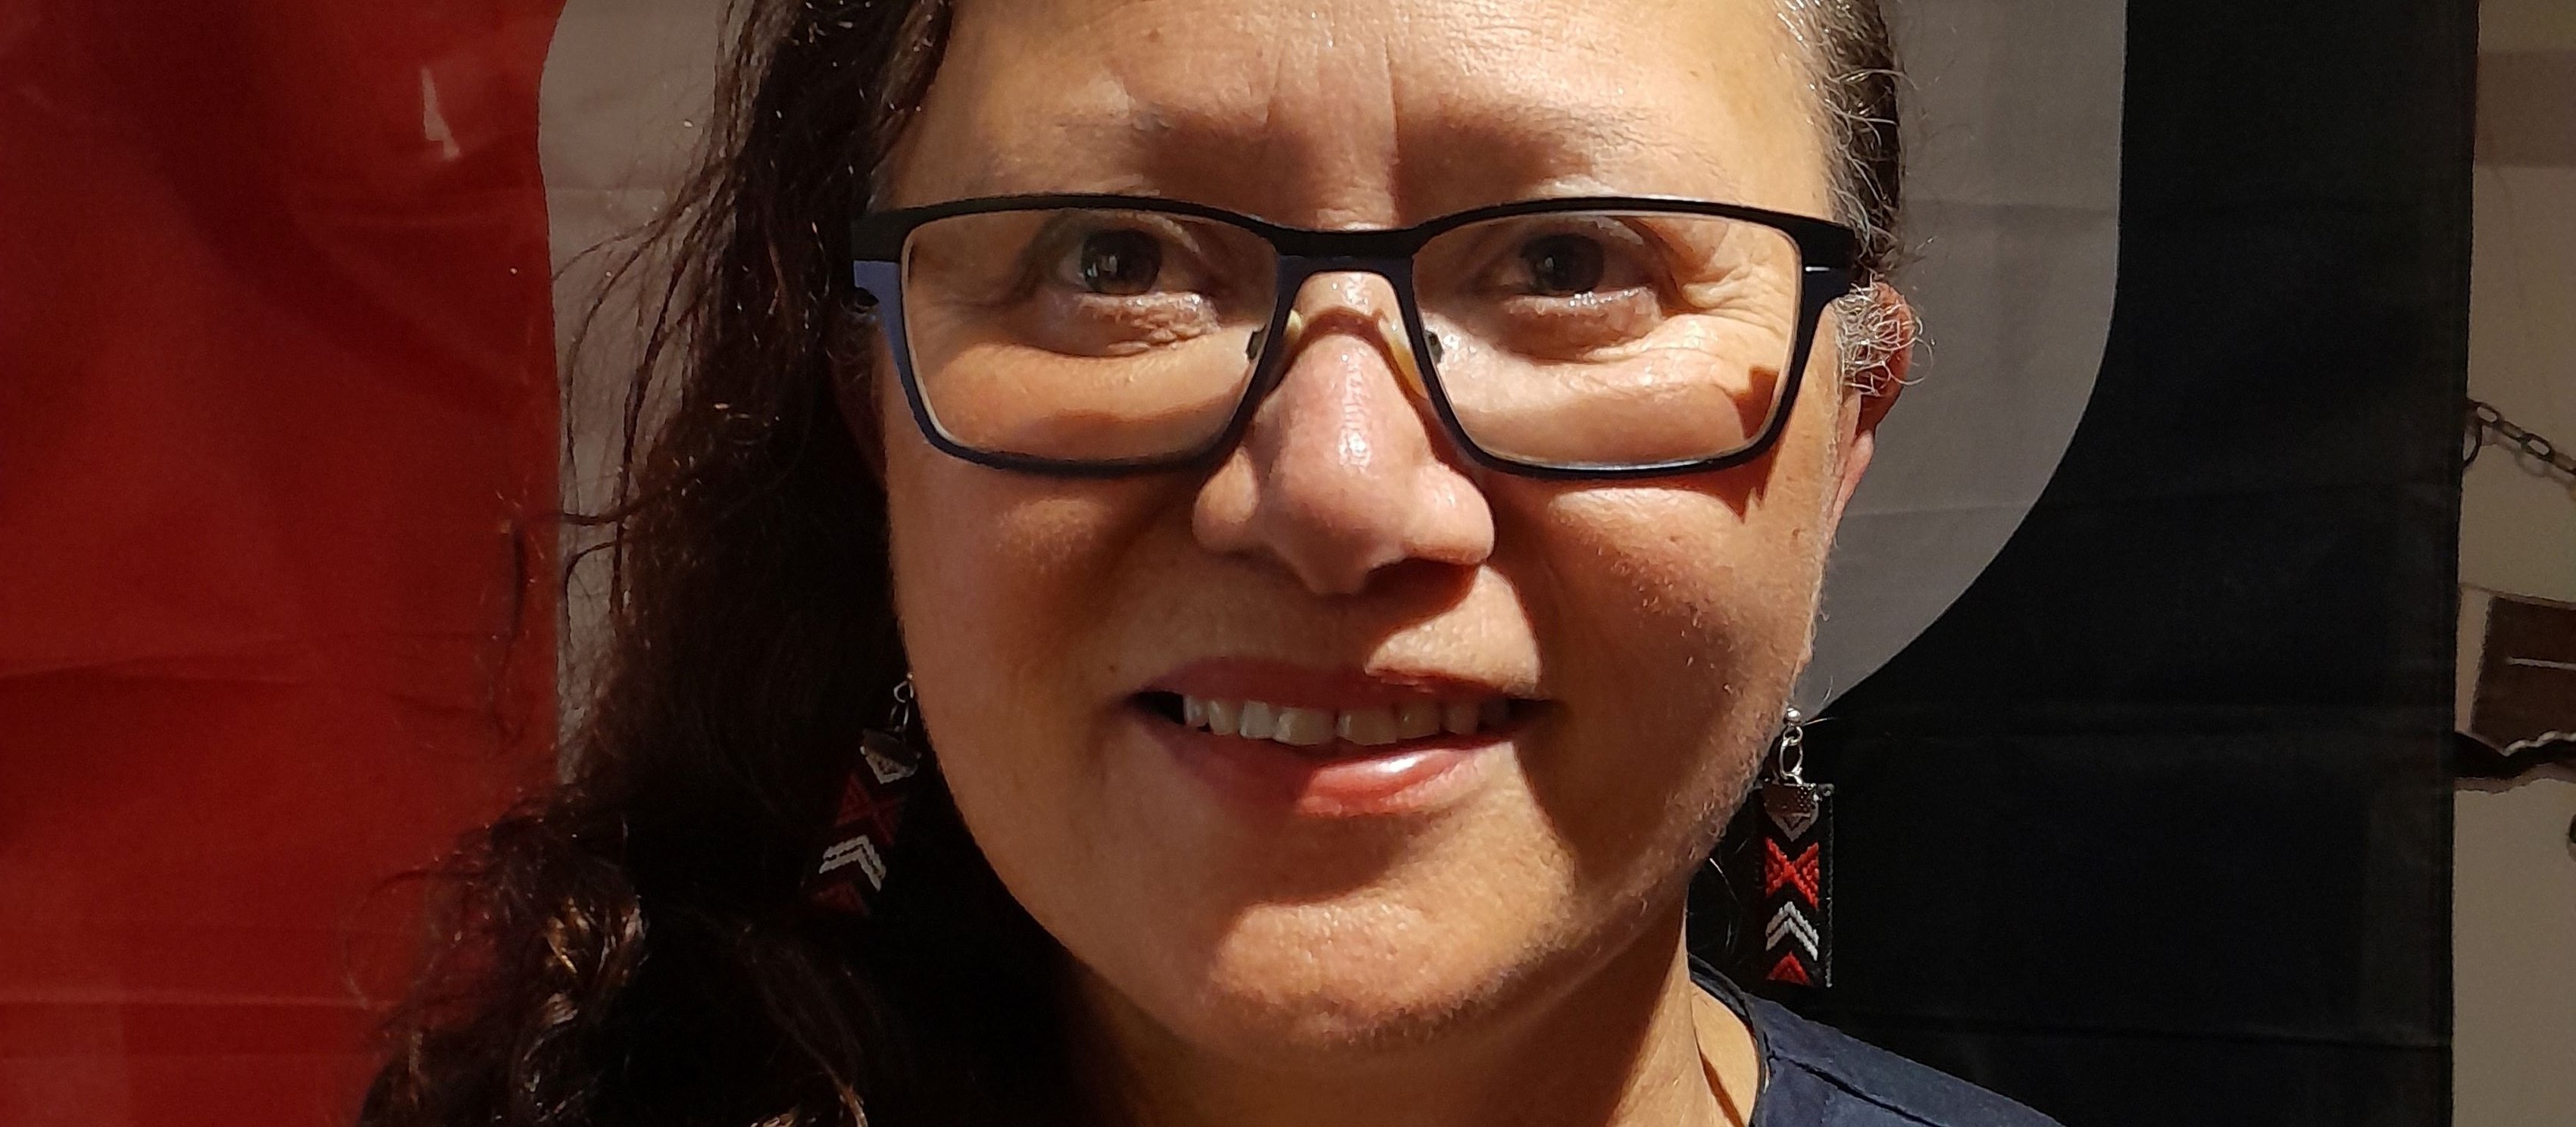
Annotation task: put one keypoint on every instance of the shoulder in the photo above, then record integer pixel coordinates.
(1816, 1076)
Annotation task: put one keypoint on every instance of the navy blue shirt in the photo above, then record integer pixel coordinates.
(1813, 1076)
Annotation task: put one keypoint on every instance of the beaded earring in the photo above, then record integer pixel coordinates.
(1794, 840)
(851, 868)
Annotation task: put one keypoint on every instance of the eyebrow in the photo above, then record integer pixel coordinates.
(1497, 152)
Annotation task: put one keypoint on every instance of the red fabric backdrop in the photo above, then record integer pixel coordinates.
(278, 411)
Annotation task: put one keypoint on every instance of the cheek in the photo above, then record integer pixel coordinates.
(987, 576)
(1675, 623)
(989, 569)
(1681, 589)
(998, 580)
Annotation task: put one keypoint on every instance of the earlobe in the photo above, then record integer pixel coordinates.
(1881, 348)
(1857, 451)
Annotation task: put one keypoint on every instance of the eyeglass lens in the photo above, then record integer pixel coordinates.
(1567, 340)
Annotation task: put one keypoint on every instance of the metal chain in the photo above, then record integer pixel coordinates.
(906, 707)
(2487, 425)
(1789, 759)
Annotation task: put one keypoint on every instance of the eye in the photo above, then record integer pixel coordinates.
(1119, 263)
(1562, 265)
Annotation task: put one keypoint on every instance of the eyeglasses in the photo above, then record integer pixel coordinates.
(1574, 338)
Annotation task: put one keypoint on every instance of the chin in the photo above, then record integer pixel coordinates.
(1334, 985)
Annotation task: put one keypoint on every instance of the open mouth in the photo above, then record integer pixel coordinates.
(1338, 733)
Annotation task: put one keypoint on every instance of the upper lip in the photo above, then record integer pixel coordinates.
(1297, 686)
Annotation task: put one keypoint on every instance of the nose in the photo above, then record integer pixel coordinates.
(1344, 470)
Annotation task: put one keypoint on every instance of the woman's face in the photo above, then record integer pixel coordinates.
(1618, 651)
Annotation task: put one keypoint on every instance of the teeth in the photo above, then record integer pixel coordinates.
(1459, 718)
(1363, 727)
(1260, 721)
(1303, 727)
(1224, 717)
(1369, 727)
(1416, 719)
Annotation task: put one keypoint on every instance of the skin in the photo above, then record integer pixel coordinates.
(1515, 954)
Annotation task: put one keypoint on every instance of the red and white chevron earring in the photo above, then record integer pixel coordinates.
(851, 868)
(1796, 846)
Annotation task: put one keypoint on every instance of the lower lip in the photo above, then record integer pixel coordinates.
(1415, 776)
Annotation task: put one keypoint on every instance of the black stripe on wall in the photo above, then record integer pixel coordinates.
(2153, 827)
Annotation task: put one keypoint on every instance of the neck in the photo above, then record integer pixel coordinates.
(1636, 1044)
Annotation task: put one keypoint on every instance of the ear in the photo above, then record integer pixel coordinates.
(1878, 346)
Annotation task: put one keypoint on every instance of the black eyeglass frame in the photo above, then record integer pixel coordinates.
(1827, 253)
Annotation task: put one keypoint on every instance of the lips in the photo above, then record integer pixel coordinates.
(1328, 743)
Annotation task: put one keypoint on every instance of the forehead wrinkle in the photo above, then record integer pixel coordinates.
(1589, 121)
(1243, 122)
(1458, 155)
(1488, 153)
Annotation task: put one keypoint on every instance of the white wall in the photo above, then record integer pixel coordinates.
(2514, 912)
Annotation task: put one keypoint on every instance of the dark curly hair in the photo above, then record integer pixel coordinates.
(632, 948)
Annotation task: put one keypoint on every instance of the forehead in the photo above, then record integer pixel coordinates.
(1369, 112)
